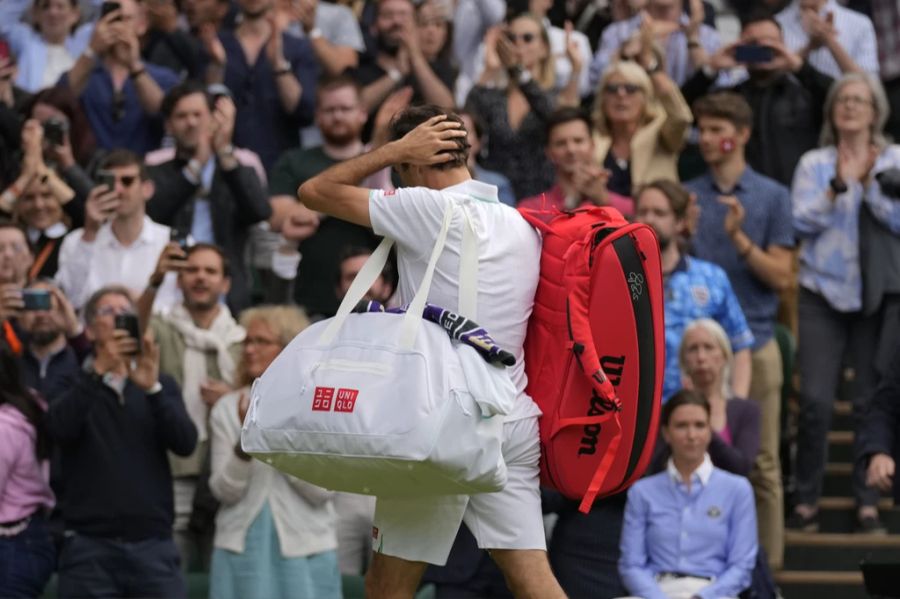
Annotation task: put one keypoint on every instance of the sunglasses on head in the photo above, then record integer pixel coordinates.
(525, 37)
(615, 89)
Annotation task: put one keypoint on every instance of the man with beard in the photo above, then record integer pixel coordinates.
(397, 60)
(199, 343)
(49, 360)
(340, 117)
(693, 288)
(119, 92)
(204, 192)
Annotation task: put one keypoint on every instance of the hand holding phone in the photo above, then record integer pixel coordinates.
(129, 323)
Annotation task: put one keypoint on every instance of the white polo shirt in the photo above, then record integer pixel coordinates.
(509, 251)
(85, 267)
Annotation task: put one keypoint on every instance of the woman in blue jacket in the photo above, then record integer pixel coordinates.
(689, 531)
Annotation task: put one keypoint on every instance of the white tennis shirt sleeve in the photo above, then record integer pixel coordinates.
(412, 216)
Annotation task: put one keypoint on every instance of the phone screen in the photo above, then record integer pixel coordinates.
(753, 53)
(4, 49)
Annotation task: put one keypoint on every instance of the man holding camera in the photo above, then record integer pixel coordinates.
(116, 424)
(204, 191)
(201, 345)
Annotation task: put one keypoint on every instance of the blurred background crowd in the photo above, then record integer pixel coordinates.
(154, 259)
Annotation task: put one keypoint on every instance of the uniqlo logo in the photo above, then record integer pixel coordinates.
(346, 400)
(322, 399)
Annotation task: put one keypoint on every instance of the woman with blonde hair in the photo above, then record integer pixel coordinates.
(514, 98)
(275, 534)
(641, 120)
(706, 360)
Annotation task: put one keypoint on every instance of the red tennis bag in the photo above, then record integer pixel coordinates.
(594, 351)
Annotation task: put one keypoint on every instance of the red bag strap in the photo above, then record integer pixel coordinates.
(603, 469)
(578, 319)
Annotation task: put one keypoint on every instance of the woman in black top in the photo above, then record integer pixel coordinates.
(515, 107)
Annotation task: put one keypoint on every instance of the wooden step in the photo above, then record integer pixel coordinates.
(814, 539)
(815, 584)
(818, 576)
(840, 446)
(838, 515)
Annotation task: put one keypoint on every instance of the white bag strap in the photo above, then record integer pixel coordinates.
(412, 320)
(468, 268)
(366, 276)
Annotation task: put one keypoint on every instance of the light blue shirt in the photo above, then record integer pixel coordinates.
(30, 48)
(767, 204)
(201, 225)
(678, 62)
(829, 230)
(855, 33)
(706, 530)
(699, 289)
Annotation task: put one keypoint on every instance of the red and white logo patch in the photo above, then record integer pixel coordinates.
(346, 400)
(322, 399)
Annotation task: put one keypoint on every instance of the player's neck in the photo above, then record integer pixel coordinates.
(441, 179)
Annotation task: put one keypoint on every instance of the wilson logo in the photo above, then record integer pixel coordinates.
(614, 367)
(343, 401)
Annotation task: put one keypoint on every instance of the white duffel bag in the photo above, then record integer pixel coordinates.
(380, 403)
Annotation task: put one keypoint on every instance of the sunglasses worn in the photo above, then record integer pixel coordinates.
(614, 89)
(525, 37)
(127, 180)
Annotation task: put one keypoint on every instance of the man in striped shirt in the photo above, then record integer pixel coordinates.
(828, 35)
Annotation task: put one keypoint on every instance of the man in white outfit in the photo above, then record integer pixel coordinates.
(429, 152)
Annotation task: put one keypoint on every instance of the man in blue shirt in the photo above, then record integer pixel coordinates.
(693, 288)
(745, 227)
(120, 94)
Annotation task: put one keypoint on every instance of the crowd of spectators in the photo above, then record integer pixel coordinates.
(154, 259)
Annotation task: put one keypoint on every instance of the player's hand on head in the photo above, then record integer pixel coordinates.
(430, 142)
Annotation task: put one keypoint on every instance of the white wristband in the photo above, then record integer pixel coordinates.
(314, 33)
(395, 75)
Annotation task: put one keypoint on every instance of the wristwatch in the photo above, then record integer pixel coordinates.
(156, 388)
(653, 67)
(314, 33)
(837, 185)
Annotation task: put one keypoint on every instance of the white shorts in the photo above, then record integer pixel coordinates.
(423, 529)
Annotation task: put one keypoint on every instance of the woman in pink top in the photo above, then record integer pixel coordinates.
(27, 556)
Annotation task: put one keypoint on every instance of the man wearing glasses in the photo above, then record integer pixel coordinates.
(120, 93)
(116, 424)
(119, 243)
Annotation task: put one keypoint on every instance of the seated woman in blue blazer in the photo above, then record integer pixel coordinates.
(689, 531)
